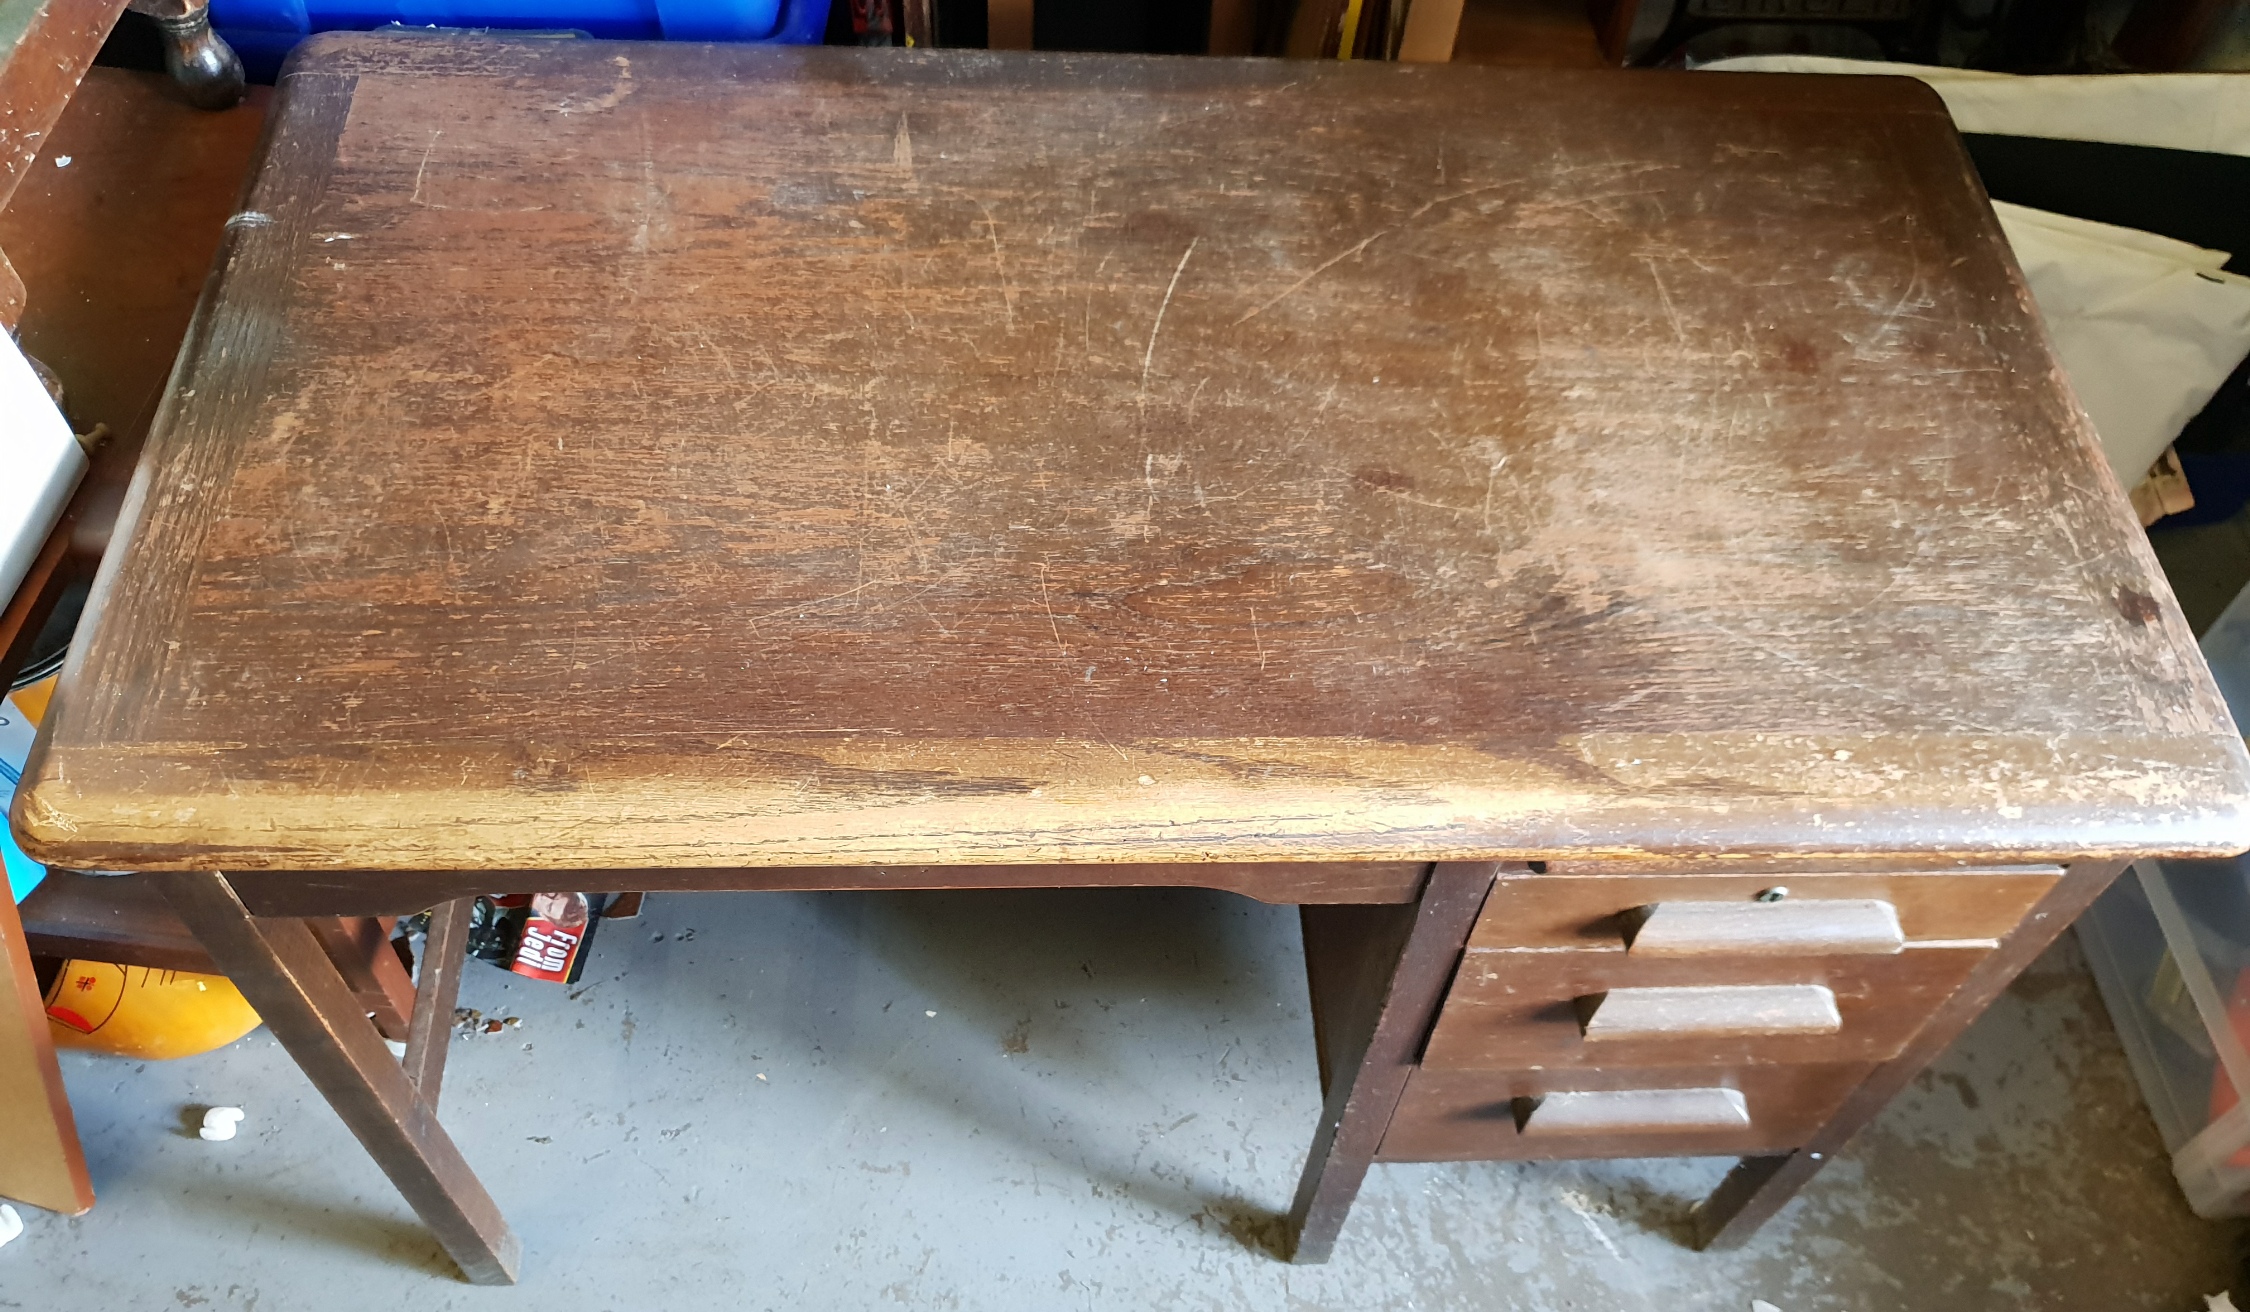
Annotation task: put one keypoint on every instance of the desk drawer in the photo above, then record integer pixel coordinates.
(1520, 1009)
(1561, 910)
(1448, 1116)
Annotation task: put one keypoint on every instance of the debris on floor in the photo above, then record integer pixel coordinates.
(219, 1123)
(11, 1224)
(887, 1146)
(468, 1021)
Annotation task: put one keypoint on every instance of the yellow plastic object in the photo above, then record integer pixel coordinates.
(154, 1015)
(33, 698)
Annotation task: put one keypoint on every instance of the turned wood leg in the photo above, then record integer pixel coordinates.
(285, 973)
(199, 60)
(1758, 1187)
(1378, 974)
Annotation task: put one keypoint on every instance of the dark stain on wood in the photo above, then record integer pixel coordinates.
(840, 457)
(2138, 607)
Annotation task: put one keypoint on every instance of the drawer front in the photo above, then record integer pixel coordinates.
(1448, 1116)
(1601, 911)
(1511, 1010)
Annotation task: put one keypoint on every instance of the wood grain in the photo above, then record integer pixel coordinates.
(124, 920)
(360, 947)
(436, 988)
(286, 975)
(45, 48)
(1377, 974)
(400, 893)
(682, 456)
(1761, 1185)
(41, 1162)
(1519, 1010)
(1471, 1115)
(1593, 912)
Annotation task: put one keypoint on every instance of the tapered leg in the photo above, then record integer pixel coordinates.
(1378, 975)
(282, 969)
(199, 60)
(1758, 1187)
(443, 954)
(40, 1160)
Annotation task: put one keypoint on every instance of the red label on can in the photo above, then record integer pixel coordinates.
(552, 936)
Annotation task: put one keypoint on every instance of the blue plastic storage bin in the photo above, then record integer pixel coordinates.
(263, 32)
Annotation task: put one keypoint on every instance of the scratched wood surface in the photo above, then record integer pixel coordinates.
(614, 456)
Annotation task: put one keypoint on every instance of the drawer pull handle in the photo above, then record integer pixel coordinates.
(1726, 1011)
(1793, 927)
(1631, 1111)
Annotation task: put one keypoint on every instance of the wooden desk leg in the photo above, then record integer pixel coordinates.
(444, 953)
(281, 968)
(361, 948)
(40, 1161)
(1378, 974)
(1758, 1187)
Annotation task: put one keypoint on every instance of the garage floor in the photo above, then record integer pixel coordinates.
(1059, 1100)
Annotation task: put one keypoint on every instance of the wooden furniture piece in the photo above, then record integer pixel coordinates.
(1556, 527)
(43, 1164)
(128, 922)
(126, 232)
(46, 46)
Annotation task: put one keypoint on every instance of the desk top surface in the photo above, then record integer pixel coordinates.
(622, 455)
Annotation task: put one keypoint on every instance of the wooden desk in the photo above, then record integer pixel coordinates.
(46, 47)
(1476, 504)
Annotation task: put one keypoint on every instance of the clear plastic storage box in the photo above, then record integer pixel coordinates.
(2170, 948)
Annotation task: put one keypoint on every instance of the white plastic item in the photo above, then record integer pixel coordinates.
(2170, 951)
(2178, 111)
(40, 465)
(2147, 328)
(219, 1123)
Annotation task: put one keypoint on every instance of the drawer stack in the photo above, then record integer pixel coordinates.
(1605, 1011)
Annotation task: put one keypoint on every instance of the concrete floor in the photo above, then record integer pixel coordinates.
(1054, 1101)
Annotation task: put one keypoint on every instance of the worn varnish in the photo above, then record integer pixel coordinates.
(1472, 1115)
(1549, 910)
(1536, 1010)
(617, 455)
